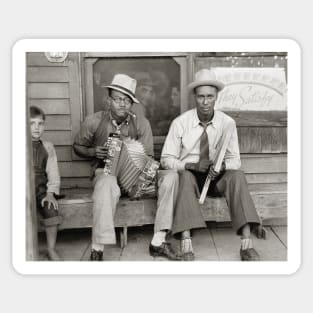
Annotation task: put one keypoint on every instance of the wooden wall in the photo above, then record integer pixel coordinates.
(57, 89)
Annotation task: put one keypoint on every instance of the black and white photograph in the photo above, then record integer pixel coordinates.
(157, 157)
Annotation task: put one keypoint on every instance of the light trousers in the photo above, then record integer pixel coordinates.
(107, 193)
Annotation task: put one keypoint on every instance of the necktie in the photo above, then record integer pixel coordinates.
(204, 143)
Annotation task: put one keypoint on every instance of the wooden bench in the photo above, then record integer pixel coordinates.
(267, 180)
(76, 209)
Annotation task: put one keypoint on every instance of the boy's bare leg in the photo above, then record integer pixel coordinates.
(51, 233)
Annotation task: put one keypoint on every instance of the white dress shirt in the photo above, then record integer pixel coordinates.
(182, 144)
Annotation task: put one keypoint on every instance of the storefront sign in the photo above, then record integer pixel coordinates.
(252, 89)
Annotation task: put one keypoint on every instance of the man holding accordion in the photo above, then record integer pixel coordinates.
(115, 140)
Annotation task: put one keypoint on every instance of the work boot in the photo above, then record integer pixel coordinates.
(96, 255)
(249, 255)
(165, 250)
(247, 252)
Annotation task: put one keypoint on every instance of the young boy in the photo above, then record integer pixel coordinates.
(47, 180)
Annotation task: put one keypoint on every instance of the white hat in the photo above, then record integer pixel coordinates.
(124, 84)
(206, 77)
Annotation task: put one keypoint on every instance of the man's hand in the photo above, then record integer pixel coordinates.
(52, 202)
(213, 174)
(201, 166)
(101, 152)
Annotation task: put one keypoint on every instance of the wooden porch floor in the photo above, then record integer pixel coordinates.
(214, 243)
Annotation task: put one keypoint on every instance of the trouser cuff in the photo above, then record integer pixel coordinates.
(105, 240)
(252, 225)
(163, 227)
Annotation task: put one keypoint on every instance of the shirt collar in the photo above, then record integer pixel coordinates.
(37, 142)
(214, 122)
(125, 122)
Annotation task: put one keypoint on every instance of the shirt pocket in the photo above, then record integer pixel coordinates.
(191, 141)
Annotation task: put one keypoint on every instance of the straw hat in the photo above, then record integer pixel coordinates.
(206, 77)
(124, 84)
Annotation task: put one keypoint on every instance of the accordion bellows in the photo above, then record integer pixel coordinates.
(128, 161)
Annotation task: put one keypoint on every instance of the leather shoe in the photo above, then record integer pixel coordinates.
(259, 231)
(164, 250)
(96, 255)
(188, 256)
(249, 255)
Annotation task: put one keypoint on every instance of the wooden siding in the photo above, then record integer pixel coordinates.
(55, 88)
(260, 169)
(52, 106)
(47, 74)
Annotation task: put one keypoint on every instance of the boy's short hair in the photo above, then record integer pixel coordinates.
(35, 111)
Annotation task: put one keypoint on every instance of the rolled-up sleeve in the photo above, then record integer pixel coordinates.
(232, 154)
(52, 169)
(172, 148)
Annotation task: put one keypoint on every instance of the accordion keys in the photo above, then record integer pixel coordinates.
(114, 145)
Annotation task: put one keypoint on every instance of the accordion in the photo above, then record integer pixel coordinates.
(134, 170)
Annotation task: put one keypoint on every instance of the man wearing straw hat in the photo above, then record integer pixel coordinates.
(90, 143)
(190, 148)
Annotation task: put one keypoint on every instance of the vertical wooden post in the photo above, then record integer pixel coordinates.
(123, 237)
(191, 59)
(31, 212)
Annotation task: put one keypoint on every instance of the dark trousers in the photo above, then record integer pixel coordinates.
(232, 185)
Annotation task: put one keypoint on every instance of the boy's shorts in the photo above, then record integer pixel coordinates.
(48, 217)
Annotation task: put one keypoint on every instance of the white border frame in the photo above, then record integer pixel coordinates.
(151, 45)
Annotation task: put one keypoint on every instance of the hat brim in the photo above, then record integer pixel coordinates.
(219, 85)
(122, 90)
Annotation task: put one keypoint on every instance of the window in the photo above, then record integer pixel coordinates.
(160, 84)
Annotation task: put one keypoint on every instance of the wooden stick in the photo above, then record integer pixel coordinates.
(205, 189)
(218, 159)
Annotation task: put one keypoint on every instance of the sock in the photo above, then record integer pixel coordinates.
(246, 243)
(185, 234)
(186, 245)
(97, 246)
(158, 238)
